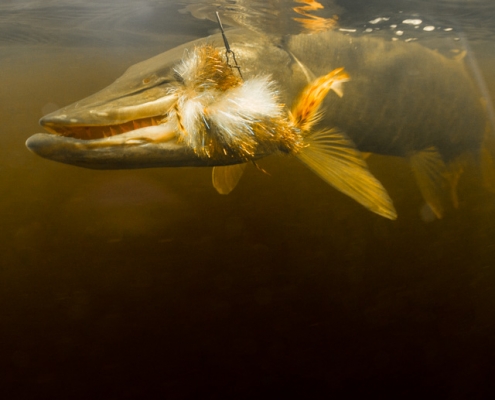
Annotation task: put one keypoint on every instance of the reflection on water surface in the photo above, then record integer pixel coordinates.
(120, 284)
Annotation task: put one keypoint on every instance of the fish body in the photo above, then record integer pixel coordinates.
(403, 98)
(188, 107)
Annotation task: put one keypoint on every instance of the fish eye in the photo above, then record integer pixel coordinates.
(150, 79)
(178, 77)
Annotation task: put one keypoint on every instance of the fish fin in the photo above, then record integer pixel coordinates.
(427, 214)
(337, 88)
(310, 76)
(488, 169)
(305, 111)
(365, 155)
(432, 177)
(460, 56)
(333, 157)
(488, 159)
(454, 172)
(226, 178)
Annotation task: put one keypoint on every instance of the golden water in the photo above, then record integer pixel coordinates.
(118, 284)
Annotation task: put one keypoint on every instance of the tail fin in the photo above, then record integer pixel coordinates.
(333, 157)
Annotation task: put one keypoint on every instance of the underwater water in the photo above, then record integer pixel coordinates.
(138, 283)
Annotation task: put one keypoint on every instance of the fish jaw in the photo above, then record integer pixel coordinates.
(96, 154)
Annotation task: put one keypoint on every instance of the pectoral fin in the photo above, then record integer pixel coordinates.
(225, 179)
(488, 156)
(332, 156)
(434, 179)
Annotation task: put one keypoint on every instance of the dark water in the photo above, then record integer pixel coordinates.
(147, 284)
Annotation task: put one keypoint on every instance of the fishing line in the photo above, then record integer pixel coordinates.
(228, 51)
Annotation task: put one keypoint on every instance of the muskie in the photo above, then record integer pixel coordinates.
(190, 107)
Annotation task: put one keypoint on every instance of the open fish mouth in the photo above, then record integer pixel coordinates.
(113, 112)
(92, 132)
(105, 137)
(138, 143)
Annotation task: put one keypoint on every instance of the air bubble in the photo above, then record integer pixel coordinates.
(412, 22)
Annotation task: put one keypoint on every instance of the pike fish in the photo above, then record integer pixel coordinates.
(326, 98)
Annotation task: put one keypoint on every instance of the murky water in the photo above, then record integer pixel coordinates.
(123, 284)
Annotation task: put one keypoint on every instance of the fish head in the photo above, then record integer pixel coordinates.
(135, 121)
